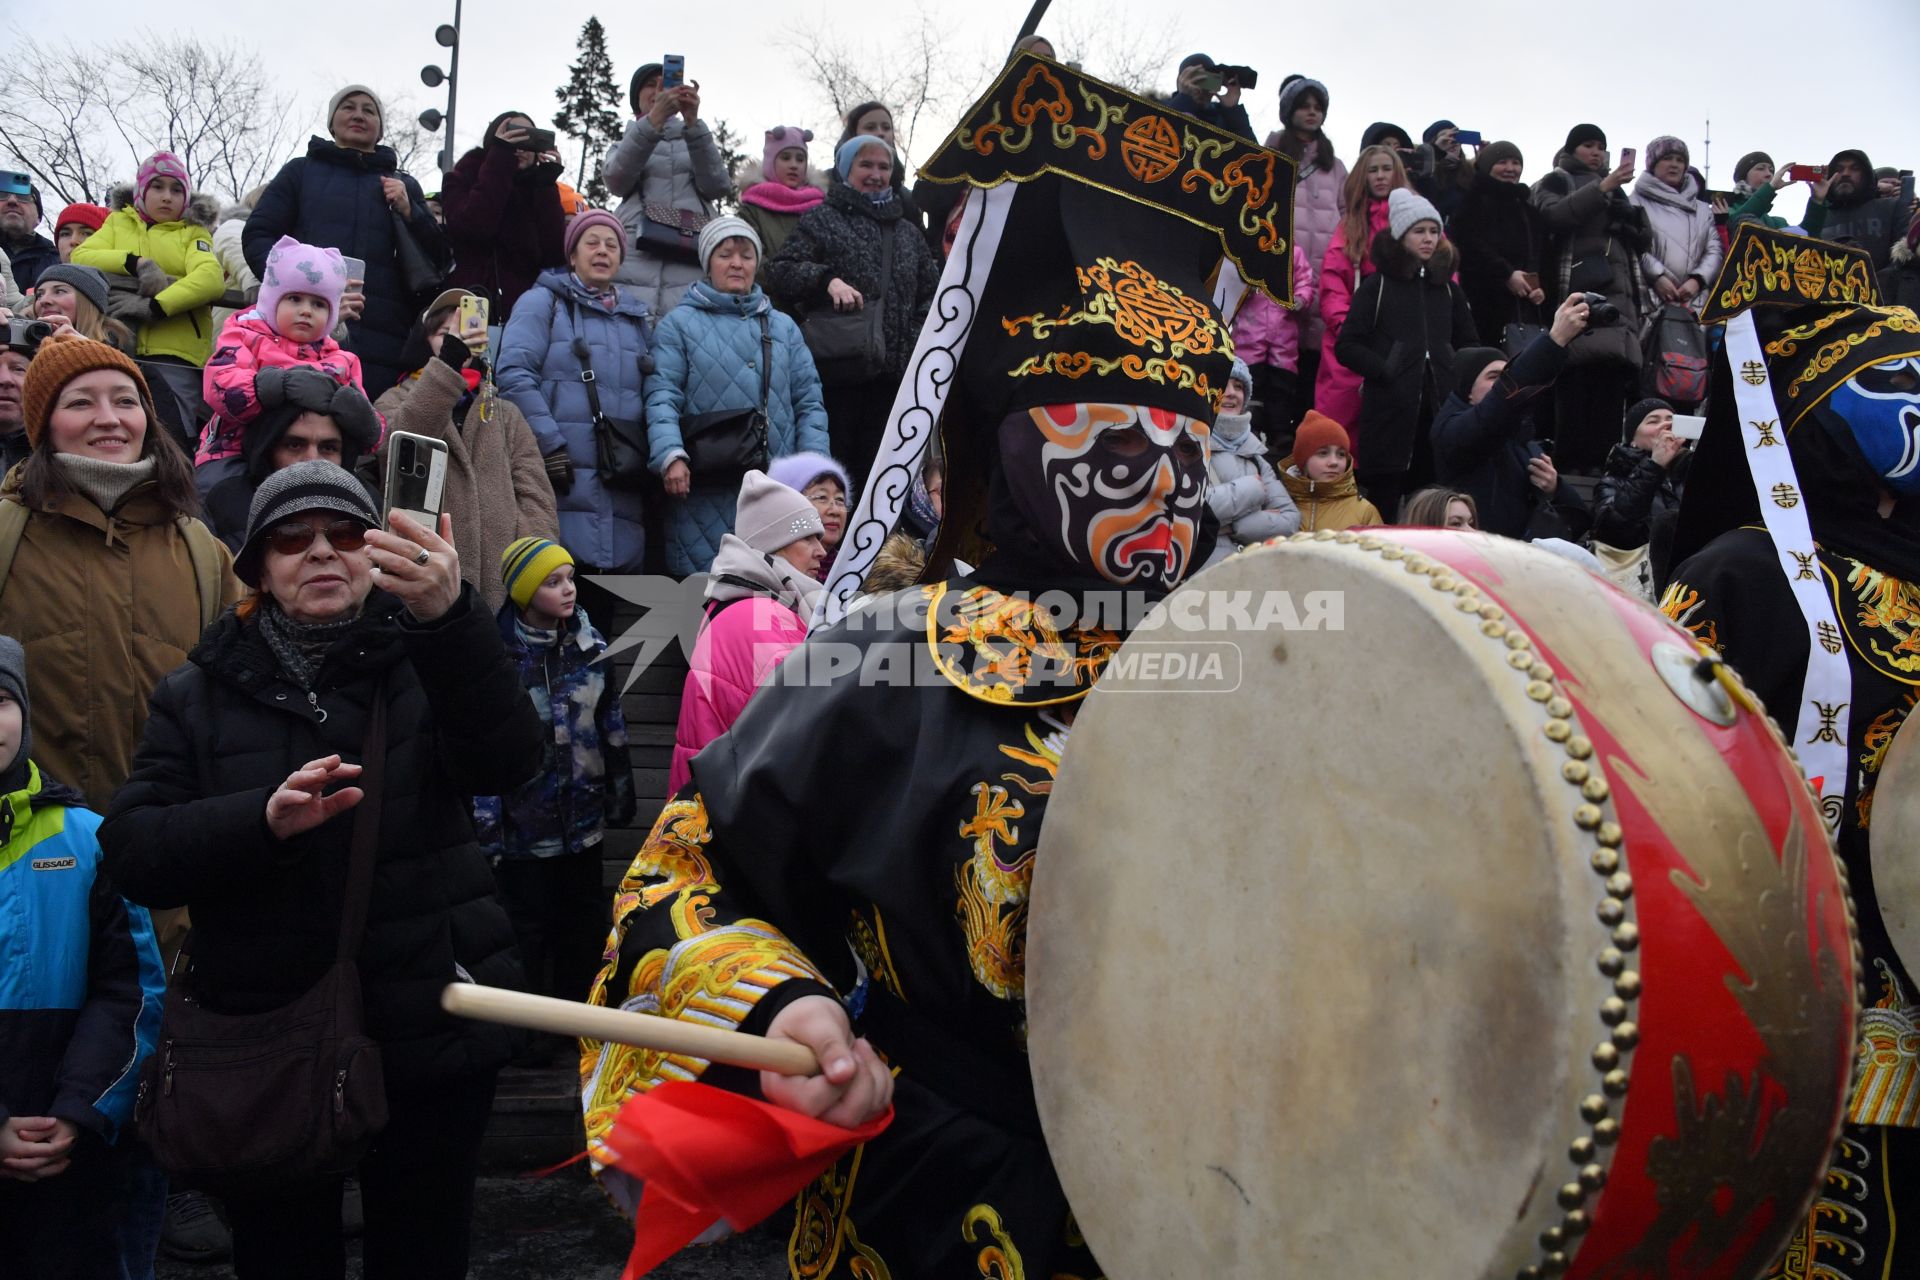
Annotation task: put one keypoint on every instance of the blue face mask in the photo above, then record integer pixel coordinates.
(1880, 407)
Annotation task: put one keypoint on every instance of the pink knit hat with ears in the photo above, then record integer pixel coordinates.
(161, 164)
(781, 138)
(293, 267)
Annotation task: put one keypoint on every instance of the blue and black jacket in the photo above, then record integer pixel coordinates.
(80, 976)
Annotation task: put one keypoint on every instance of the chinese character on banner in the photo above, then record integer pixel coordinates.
(1805, 562)
(1753, 373)
(1829, 637)
(1829, 712)
(1766, 430)
(1786, 496)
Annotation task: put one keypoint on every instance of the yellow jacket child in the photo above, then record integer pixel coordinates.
(171, 258)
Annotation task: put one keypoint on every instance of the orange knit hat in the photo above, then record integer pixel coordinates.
(59, 360)
(1316, 432)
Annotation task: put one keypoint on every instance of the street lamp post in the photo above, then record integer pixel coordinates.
(448, 37)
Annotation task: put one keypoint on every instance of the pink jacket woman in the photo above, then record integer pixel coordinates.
(1265, 332)
(1316, 221)
(1336, 390)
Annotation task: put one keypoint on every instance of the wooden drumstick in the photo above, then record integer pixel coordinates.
(643, 1030)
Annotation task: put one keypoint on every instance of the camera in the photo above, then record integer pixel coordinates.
(1600, 312)
(25, 335)
(1245, 77)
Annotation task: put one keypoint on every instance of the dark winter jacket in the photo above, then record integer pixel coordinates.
(503, 222)
(29, 257)
(189, 827)
(1867, 221)
(843, 238)
(1233, 119)
(1481, 449)
(1589, 224)
(80, 976)
(333, 197)
(585, 782)
(540, 373)
(1407, 320)
(1634, 494)
(1498, 232)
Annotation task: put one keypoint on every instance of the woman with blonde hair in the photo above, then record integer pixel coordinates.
(1438, 507)
(76, 298)
(1376, 174)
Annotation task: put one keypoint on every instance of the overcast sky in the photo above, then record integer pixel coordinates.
(1797, 82)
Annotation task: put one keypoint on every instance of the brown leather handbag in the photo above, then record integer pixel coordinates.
(255, 1102)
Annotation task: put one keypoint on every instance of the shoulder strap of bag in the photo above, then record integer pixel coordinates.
(886, 256)
(13, 523)
(583, 352)
(206, 568)
(766, 360)
(366, 826)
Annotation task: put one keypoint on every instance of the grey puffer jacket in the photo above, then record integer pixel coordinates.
(843, 238)
(1247, 498)
(679, 165)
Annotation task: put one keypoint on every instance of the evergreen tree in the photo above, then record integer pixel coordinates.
(733, 157)
(590, 108)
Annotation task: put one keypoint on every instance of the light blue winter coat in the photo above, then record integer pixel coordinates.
(539, 372)
(706, 359)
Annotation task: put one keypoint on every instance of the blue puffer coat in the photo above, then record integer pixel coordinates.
(540, 374)
(706, 359)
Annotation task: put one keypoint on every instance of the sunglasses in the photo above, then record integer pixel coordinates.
(294, 539)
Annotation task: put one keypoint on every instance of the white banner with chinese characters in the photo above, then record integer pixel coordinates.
(1821, 722)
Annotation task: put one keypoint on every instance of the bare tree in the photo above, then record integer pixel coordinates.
(415, 150)
(1135, 55)
(80, 118)
(913, 73)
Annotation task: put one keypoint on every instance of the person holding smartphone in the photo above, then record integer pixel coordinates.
(1503, 245)
(502, 205)
(667, 159)
(1205, 93)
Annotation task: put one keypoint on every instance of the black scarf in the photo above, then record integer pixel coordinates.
(301, 647)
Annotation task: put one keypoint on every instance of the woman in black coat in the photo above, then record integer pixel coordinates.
(504, 220)
(1407, 320)
(1503, 244)
(347, 194)
(834, 261)
(238, 808)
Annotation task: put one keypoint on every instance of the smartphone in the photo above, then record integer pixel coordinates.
(416, 478)
(472, 316)
(1467, 137)
(673, 71)
(1539, 449)
(16, 183)
(356, 269)
(1806, 172)
(538, 140)
(1532, 278)
(1628, 155)
(1688, 426)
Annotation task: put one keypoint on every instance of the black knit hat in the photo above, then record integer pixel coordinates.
(647, 71)
(1493, 153)
(1637, 413)
(1746, 162)
(313, 485)
(1582, 133)
(1468, 364)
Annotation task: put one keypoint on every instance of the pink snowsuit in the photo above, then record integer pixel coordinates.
(1264, 332)
(247, 345)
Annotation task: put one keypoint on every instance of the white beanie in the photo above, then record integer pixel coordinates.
(379, 107)
(1406, 207)
(770, 516)
(726, 228)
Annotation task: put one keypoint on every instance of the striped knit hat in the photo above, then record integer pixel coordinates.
(525, 564)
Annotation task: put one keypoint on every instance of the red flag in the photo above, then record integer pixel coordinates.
(703, 1154)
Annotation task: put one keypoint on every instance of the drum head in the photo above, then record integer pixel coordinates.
(1896, 841)
(1312, 980)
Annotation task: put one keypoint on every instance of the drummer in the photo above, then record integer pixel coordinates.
(849, 868)
(1841, 388)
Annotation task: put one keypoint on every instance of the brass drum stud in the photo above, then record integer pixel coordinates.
(1606, 1132)
(1612, 961)
(1611, 911)
(1620, 885)
(1610, 835)
(1596, 789)
(1605, 1056)
(1627, 936)
(1605, 861)
(1627, 1036)
(1580, 748)
(1492, 628)
(1594, 1108)
(1587, 817)
(1572, 1196)
(1627, 985)
(1560, 708)
(1559, 731)
(1615, 1082)
(1539, 690)
(1593, 1177)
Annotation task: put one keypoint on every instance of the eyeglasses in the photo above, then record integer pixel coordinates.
(294, 539)
(835, 502)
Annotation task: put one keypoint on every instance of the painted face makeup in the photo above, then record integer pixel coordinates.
(1114, 488)
(1881, 409)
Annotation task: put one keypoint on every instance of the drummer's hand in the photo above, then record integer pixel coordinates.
(854, 1085)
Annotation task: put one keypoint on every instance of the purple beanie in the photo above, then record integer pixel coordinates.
(594, 218)
(161, 164)
(798, 470)
(293, 267)
(781, 138)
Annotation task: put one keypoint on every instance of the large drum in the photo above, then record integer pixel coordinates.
(1463, 924)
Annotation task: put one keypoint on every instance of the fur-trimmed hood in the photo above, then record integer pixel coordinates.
(203, 207)
(751, 173)
(1392, 258)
